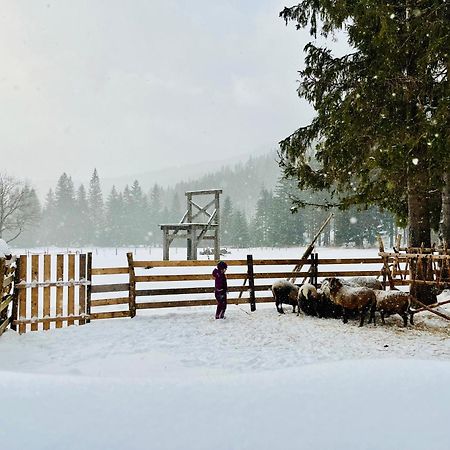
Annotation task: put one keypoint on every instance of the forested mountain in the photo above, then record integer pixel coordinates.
(256, 210)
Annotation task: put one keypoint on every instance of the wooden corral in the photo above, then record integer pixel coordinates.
(66, 289)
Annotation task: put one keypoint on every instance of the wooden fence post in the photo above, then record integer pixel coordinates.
(251, 282)
(132, 292)
(82, 288)
(313, 269)
(89, 286)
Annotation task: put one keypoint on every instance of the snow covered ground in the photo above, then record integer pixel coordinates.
(178, 379)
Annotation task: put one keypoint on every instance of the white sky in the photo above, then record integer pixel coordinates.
(133, 86)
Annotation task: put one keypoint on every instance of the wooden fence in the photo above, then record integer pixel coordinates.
(249, 281)
(7, 274)
(66, 289)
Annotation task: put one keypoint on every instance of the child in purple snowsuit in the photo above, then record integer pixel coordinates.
(220, 289)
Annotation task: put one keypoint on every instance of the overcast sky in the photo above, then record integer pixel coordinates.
(135, 85)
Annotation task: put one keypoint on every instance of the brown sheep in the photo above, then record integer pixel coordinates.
(394, 302)
(361, 299)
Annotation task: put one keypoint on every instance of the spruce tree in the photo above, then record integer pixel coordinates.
(96, 209)
(382, 110)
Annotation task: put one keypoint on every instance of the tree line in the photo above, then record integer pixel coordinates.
(84, 216)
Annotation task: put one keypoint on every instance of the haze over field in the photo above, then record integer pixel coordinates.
(139, 86)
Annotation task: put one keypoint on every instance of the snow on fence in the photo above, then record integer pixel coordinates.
(7, 274)
(65, 289)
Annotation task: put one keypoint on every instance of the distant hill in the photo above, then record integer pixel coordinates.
(242, 182)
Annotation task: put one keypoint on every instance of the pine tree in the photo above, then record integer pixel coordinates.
(114, 219)
(96, 209)
(83, 218)
(155, 210)
(65, 232)
(382, 110)
(225, 221)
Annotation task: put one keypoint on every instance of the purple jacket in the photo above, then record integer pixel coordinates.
(220, 281)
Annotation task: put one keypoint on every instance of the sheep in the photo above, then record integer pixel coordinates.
(367, 282)
(285, 292)
(394, 302)
(314, 302)
(306, 299)
(359, 299)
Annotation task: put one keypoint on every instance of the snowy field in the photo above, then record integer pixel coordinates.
(178, 379)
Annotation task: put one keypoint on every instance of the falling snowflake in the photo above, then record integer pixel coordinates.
(415, 161)
(353, 220)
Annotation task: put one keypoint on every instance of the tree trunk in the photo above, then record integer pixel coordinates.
(419, 227)
(444, 226)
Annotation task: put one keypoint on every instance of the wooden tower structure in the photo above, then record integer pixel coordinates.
(198, 223)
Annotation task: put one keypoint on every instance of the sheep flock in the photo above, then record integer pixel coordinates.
(352, 298)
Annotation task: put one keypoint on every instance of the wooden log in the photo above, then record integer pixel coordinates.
(59, 289)
(71, 290)
(310, 248)
(22, 295)
(82, 289)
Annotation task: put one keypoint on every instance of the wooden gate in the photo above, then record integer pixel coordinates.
(51, 289)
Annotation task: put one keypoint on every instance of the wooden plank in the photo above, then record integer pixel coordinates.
(7, 282)
(5, 302)
(34, 290)
(82, 289)
(110, 301)
(99, 288)
(202, 302)
(256, 262)
(2, 276)
(109, 270)
(48, 319)
(59, 289)
(15, 306)
(47, 277)
(4, 325)
(22, 294)
(110, 315)
(71, 289)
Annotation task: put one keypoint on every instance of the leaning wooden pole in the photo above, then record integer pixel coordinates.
(309, 249)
